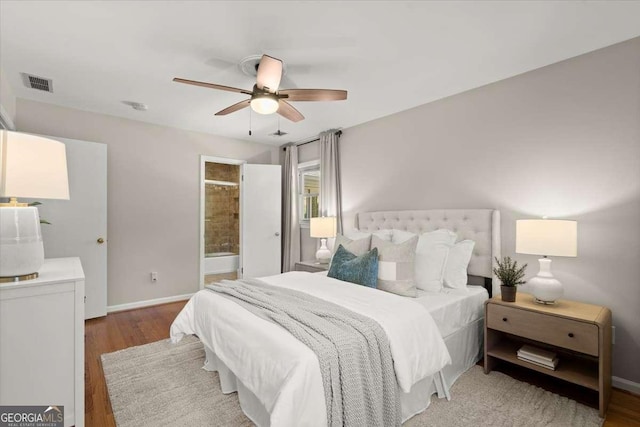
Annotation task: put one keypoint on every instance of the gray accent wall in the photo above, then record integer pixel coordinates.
(561, 141)
(153, 194)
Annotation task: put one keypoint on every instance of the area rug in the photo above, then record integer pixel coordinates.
(162, 384)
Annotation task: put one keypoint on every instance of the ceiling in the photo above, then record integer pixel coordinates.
(390, 56)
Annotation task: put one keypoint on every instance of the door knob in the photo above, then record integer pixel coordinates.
(100, 240)
(277, 233)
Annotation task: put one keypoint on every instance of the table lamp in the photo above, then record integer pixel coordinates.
(546, 237)
(34, 167)
(323, 228)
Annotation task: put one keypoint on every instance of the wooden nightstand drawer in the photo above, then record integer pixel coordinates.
(554, 330)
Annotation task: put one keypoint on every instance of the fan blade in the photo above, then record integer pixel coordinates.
(235, 107)
(287, 111)
(269, 73)
(314, 94)
(211, 86)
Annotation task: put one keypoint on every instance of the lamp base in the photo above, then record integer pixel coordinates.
(323, 255)
(545, 288)
(20, 242)
(18, 278)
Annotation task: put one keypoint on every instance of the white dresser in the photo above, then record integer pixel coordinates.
(42, 339)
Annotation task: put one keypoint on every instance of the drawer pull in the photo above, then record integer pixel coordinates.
(504, 319)
(570, 334)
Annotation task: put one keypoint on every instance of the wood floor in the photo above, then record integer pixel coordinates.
(115, 332)
(136, 327)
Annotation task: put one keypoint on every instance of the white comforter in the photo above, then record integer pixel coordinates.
(283, 373)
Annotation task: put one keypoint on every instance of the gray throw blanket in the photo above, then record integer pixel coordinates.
(355, 359)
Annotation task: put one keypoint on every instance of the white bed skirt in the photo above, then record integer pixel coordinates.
(464, 345)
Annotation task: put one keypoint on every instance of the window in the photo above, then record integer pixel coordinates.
(309, 191)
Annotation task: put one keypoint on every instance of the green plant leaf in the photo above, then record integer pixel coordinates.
(508, 272)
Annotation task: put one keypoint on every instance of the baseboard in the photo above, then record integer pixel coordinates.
(627, 385)
(147, 303)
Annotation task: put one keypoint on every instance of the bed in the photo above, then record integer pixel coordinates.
(277, 377)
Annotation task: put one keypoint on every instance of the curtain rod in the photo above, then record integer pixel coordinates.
(339, 133)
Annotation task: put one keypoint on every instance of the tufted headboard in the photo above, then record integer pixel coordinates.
(480, 225)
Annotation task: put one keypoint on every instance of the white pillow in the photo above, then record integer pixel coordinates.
(355, 246)
(395, 266)
(401, 236)
(431, 258)
(455, 272)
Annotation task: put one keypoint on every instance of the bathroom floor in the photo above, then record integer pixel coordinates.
(210, 278)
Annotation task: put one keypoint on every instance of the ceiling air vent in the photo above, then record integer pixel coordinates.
(38, 83)
(278, 133)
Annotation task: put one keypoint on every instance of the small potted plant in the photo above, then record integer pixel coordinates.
(510, 276)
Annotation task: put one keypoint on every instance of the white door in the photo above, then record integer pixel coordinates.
(260, 220)
(79, 225)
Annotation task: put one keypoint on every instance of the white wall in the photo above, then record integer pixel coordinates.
(153, 194)
(7, 100)
(562, 141)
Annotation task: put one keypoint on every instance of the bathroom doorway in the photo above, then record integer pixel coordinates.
(220, 216)
(240, 219)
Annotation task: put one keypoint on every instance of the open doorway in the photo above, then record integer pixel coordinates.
(239, 219)
(220, 219)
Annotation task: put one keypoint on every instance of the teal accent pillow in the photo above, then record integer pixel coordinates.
(362, 270)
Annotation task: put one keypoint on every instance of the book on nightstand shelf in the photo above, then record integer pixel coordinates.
(538, 356)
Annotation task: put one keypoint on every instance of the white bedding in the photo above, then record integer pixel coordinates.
(283, 373)
(453, 309)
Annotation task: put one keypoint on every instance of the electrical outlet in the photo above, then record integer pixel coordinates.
(154, 276)
(613, 335)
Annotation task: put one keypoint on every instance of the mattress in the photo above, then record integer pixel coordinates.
(453, 309)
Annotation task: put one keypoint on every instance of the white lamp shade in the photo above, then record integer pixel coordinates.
(547, 237)
(32, 166)
(323, 227)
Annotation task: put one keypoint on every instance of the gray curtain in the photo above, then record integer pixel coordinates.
(290, 222)
(330, 185)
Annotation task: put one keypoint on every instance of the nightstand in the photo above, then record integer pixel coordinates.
(311, 266)
(579, 333)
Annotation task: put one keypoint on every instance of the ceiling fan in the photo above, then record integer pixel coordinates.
(265, 96)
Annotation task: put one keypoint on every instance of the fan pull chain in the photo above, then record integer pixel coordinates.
(249, 121)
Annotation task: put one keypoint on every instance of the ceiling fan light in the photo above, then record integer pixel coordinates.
(264, 104)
